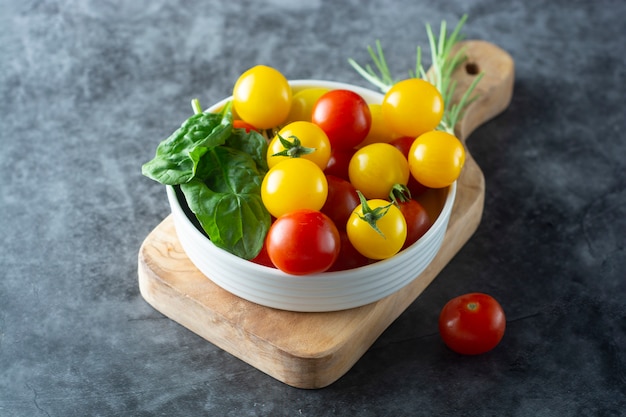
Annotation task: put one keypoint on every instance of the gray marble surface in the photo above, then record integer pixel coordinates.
(88, 88)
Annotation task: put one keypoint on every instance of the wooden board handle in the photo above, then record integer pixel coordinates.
(494, 90)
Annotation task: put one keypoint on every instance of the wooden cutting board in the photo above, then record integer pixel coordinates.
(312, 350)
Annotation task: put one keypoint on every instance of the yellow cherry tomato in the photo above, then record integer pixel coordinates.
(370, 242)
(294, 184)
(262, 97)
(303, 102)
(436, 159)
(376, 168)
(379, 130)
(307, 140)
(412, 107)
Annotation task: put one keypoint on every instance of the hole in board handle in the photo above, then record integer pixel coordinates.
(472, 68)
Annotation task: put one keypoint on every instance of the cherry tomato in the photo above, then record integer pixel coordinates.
(262, 97)
(376, 168)
(417, 218)
(349, 257)
(339, 162)
(412, 107)
(303, 242)
(472, 324)
(294, 184)
(379, 130)
(377, 229)
(263, 258)
(240, 124)
(404, 143)
(341, 201)
(307, 141)
(436, 159)
(302, 104)
(344, 116)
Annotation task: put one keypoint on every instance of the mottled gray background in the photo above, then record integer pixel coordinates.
(88, 88)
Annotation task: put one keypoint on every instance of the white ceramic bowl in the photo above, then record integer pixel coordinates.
(329, 291)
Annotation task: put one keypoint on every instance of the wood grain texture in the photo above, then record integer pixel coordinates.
(312, 350)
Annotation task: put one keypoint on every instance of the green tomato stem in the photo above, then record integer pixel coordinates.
(293, 149)
(399, 193)
(371, 216)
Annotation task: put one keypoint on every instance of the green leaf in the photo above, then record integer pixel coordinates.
(252, 143)
(227, 202)
(177, 156)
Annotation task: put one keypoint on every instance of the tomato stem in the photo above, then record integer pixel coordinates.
(400, 193)
(371, 216)
(293, 149)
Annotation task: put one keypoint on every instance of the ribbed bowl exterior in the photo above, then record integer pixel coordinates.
(329, 291)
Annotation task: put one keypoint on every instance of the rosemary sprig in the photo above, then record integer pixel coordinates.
(384, 80)
(444, 63)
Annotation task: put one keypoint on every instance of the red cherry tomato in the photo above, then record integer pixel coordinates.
(341, 201)
(349, 257)
(240, 124)
(263, 258)
(403, 143)
(472, 324)
(339, 162)
(344, 116)
(417, 220)
(303, 242)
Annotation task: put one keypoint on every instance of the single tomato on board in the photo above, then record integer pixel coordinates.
(472, 323)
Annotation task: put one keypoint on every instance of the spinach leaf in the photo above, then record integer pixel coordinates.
(177, 157)
(252, 143)
(226, 199)
(220, 170)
